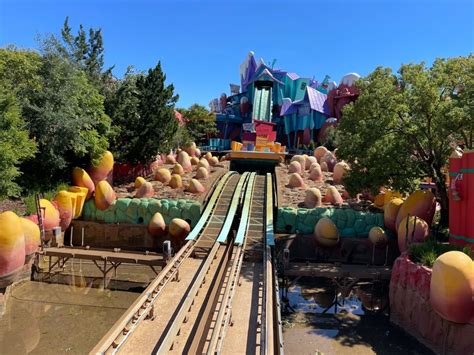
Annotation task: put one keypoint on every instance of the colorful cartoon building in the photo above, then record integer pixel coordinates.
(273, 104)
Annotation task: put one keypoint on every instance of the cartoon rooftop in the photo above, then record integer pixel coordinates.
(295, 106)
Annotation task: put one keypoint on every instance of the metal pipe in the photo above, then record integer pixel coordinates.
(70, 241)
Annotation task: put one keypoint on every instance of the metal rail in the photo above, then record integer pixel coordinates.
(270, 242)
(126, 324)
(169, 338)
(225, 310)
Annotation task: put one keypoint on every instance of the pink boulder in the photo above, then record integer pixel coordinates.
(421, 203)
(319, 152)
(32, 236)
(178, 169)
(145, 190)
(294, 167)
(316, 174)
(312, 198)
(104, 195)
(204, 163)
(333, 196)
(411, 231)
(390, 213)
(330, 160)
(170, 159)
(324, 166)
(194, 161)
(157, 226)
(179, 228)
(202, 173)
(296, 181)
(163, 175)
(184, 161)
(340, 170)
(176, 182)
(310, 161)
(195, 187)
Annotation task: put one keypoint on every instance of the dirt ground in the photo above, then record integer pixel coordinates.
(294, 197)
(165, 191)
(15, 205)
(161, 190)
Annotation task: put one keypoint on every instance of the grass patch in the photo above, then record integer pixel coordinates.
(29, 200)
(426, 253)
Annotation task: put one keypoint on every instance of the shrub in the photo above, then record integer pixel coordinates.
(426, 253)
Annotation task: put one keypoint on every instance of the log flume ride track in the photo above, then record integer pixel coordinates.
(195, 315)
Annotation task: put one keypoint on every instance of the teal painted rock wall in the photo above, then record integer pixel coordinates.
(141, 210)
(349, 222)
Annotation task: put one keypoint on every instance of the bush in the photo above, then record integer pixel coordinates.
(29, 200)
(426, 253)
(15, 146)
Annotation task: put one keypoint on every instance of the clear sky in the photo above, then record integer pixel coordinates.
(202, 43)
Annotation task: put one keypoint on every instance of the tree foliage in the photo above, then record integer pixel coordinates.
(67, 119)
(63, 112)
(201, 123)
(143, 116)
(86, 50)
(15, 145)
(403, 127)
(123, 108)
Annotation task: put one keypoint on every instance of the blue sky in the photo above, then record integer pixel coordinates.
(202, 43)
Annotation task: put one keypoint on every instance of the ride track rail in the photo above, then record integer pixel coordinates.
(220, 269)
(112, 341)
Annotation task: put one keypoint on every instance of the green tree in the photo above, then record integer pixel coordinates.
(85, 50)
(142, 111)
(67, 120)
(123, 108)
(201, 123)
(15, 145)
(403, 127)
(158, 125)
(19, 72)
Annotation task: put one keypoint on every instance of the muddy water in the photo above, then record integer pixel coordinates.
(71, 313)
(357, 324)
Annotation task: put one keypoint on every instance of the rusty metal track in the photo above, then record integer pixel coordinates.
(123, 328)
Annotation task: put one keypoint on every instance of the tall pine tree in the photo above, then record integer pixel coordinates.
(158, 124)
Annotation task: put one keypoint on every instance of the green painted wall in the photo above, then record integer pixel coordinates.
(349, 222)
(140, 210)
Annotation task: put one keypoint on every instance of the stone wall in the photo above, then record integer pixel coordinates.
(141, 210)
(410, 309)
(349, 222)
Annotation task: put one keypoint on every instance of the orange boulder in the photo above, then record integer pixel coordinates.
(104, 195)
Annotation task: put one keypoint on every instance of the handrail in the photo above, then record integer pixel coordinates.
(270, 241)
(239, 238)
(222, 237)
(218, 335)
(210, 206)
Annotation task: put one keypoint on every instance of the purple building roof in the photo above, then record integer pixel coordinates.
(317, 100)
(293, 76)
